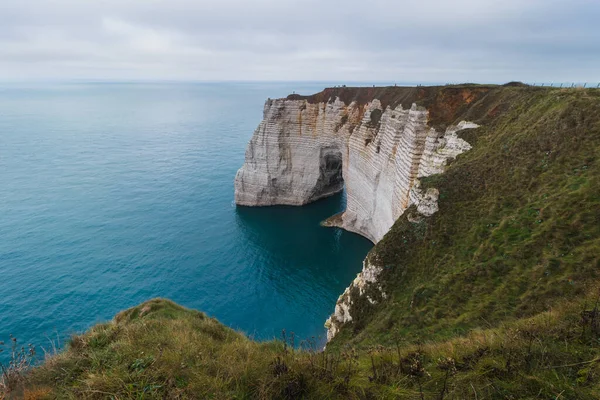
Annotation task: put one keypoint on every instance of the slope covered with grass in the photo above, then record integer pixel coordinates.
(518, 230)
(160, 350)
(496, 296)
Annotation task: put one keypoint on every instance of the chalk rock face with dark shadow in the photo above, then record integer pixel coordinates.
(305, 151)
(295, 156)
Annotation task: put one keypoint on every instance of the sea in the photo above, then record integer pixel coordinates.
(115, 193)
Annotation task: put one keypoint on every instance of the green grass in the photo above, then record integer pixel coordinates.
(518, 228)
(160, 350)
(494, 297)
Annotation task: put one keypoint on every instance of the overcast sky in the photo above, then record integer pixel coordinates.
(350, 40)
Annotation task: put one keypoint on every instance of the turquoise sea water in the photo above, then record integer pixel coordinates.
(111, 194)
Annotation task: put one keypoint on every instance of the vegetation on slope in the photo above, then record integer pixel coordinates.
(518, 229)
(159, 350)
(496, 296)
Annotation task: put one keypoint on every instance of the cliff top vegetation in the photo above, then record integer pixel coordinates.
(159, 350)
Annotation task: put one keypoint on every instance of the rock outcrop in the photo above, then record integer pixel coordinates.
(303, 151)
(341, 314)
(295, 156)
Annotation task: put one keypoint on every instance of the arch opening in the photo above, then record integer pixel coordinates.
(330, 179)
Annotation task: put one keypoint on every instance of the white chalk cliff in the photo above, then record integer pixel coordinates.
(304, 151)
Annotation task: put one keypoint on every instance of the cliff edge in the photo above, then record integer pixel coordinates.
(391, 145)
(376, 143)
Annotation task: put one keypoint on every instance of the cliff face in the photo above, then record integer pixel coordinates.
(309, 148)
(304, 151)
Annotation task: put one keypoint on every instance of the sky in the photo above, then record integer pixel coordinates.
(309, 40)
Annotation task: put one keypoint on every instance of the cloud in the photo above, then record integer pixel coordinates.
(376, 40)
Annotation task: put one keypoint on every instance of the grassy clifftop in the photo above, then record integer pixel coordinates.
(496, 296)
(518, 230)
(160, 350)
